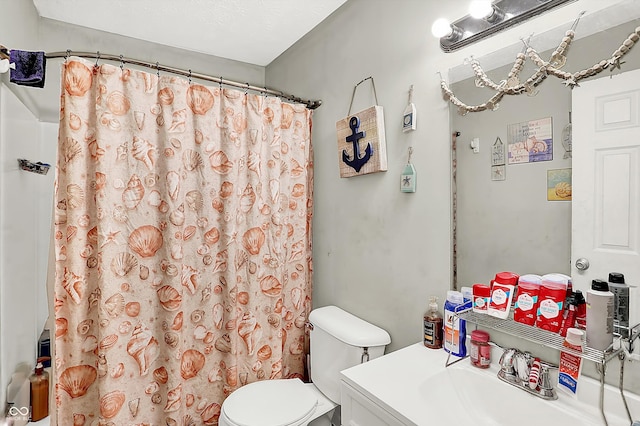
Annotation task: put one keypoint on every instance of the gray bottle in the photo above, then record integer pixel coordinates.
(620, 303)
(599, 315)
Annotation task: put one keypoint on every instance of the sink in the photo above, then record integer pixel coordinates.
(413, 386)
(478, 397)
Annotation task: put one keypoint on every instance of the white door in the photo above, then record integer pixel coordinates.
(606, 181)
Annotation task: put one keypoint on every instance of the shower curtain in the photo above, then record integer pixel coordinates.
(182, 245)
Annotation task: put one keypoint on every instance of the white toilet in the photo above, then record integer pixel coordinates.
(338, 341)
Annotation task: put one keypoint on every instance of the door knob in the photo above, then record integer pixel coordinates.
(582, 264)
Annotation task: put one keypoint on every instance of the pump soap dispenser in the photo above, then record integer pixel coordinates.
(433, 325)
(39, 393)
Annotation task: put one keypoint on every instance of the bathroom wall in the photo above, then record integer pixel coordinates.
(18, 255)
(19, 28)
(380, 253)
(20, 243)
(48, 147)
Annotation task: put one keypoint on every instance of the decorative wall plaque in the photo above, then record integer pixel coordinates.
(362, 147)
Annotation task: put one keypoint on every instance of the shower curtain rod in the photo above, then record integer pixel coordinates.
(311, 104)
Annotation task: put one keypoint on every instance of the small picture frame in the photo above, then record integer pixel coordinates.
(498, 172)
(559, 185)
(497, 153)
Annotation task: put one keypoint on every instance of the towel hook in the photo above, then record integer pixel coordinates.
(97, 58)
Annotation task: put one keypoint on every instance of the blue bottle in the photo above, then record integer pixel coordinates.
(455, 329)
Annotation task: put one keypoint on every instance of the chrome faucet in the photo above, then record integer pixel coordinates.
(507, 362)
(515, 368)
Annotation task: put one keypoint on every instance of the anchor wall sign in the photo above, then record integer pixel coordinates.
(362, 147)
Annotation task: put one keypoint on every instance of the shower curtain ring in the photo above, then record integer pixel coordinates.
(67, 55)
(158, 69)
(121, 63)
(246, 90)
(97, 58)
(220, 82)
(189, 76)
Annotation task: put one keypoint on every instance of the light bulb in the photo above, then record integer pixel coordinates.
(480, 9)
(441, 28)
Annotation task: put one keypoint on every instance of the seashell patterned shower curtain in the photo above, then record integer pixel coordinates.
(182, 242)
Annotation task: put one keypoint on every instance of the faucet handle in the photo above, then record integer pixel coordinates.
(507, 361)
(546, 388)
(523, 365)
(545, 381)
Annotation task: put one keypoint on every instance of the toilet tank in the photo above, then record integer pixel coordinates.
(336, 343)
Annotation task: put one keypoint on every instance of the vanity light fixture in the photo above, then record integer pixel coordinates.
(442, 28)
(483, 9)
(487, 18)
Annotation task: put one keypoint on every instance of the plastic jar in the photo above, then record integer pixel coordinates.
(480, 351)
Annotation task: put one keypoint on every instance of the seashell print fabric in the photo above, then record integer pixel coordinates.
(183, 245)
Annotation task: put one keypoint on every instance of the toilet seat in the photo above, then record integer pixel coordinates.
(282, 402)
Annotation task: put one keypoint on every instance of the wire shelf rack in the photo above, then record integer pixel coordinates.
(535, 335)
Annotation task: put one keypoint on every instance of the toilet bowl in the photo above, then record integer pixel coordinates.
(284, 402)
(338, 340)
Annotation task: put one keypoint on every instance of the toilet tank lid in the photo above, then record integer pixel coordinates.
(348, 328)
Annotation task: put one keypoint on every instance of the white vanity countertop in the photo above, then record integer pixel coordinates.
(400, 383)
(393, 381)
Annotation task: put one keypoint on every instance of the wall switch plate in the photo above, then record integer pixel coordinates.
(475, 145)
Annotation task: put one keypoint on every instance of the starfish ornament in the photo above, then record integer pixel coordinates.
(571, 82)
(615, 63)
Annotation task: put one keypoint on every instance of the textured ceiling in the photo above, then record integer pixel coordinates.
(252, 31)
